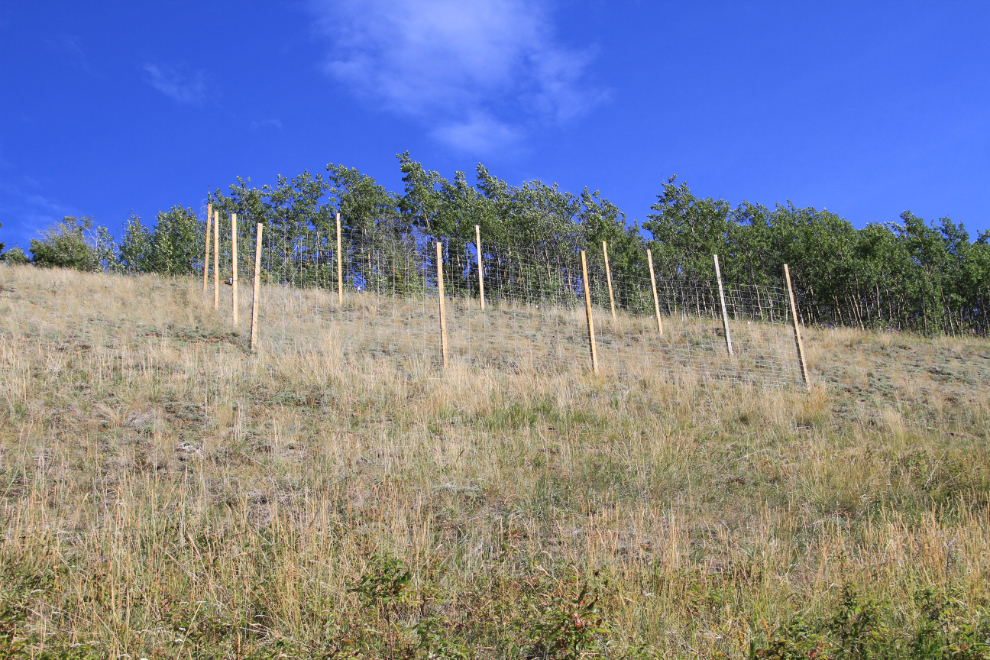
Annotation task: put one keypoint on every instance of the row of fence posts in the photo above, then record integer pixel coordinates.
(799, 345)
(215, 216)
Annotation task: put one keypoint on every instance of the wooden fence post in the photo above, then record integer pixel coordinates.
(797, 329)
(233, 263)
(587, 309)
(481, 272)
(656, 299)
(443, 311)
(608, 276)
(206, 256)
(340, 267)
(725, 314)
(216, 260)
(257, 290)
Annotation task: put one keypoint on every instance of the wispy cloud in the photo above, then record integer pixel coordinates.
(28, 191)
(477, 72)
(26, 210)
(478, 134)
(178, 85)
(266, 123)
(70, 46)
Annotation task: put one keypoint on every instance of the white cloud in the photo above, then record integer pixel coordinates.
(181, 87)
(477, 72)
(478, 134)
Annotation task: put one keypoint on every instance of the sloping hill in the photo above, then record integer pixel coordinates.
(166, 493)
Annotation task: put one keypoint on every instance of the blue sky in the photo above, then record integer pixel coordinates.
(867, 109)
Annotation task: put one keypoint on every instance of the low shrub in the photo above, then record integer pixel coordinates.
(74, 243)
(860, 628)
(14, 257)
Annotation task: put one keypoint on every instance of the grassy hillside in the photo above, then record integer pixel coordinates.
(164, 493)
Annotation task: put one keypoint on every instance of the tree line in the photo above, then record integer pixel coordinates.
(928, 277)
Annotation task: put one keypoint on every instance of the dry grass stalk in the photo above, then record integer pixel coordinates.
(164, 492)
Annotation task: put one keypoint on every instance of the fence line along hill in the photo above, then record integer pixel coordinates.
(427, 301)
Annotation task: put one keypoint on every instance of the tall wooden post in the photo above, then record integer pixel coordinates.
(257, 290)
(656, 299)
(233, 262)
(797, 329)
(443, 310)
(725, 314)
(608, 276)
(587, 309)
(481, 271)
(216, 260)
(206, 255)
(340, 266)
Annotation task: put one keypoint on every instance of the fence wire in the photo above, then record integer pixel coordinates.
(534, 315)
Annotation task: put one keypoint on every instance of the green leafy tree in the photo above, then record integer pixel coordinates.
(65, 245)
(363, 204)
(105, 249)
(252, 206)
(819, 248)
(176, 243)
(15, 257)
(687, 231)
(135, 247)
(172, 248)
(974, 284)
(420, 203)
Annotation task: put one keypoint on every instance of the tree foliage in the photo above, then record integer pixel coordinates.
(926, 277)
(72, 243)
(14, 257)
(174, 247)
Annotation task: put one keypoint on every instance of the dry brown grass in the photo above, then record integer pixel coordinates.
(165, 493)
(514, 335)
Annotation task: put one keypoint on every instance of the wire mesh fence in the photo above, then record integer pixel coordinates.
(377, 297)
